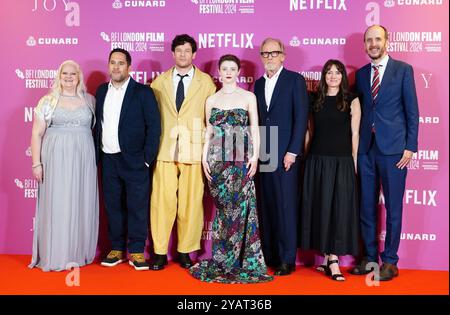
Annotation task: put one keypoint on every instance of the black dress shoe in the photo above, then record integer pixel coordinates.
(271, 262)
(158, 262)
(388, 272)
(284, 269)
(361, 268)
(184, 260)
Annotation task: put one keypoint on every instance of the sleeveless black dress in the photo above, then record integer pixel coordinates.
(329, 219)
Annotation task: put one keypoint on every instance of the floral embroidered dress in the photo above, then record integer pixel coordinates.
(236, 247)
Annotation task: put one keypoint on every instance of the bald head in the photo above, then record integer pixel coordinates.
(376, 43)
(379, 28)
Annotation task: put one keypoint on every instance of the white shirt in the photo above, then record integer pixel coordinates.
(381, 70)
(111, 115)
(268, 91)
(186, 81)
(270, 85)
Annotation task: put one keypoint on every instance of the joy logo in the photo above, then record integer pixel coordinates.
(72, 18)
(31, 41)
(117, 4)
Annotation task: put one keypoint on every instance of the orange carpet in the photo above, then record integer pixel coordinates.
(17, 278)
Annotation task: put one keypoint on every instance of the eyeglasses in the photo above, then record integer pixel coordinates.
(266, 54)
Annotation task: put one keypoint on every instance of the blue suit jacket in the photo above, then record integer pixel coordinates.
(139, 124)
(288, 111)
(395, 113)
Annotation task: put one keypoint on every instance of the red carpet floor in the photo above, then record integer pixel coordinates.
(17, 278)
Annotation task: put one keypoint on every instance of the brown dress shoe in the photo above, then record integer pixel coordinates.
(388, 272)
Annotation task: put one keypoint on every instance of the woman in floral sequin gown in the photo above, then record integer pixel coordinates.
(230, 159)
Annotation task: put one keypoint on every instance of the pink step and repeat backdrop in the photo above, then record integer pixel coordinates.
(37, 35)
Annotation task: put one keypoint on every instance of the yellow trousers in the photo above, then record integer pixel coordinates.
(177, 192)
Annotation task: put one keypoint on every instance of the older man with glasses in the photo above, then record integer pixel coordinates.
(283, 111)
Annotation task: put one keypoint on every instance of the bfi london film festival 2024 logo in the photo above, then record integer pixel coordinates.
(225, 7)
(37, 78)
(135, 41)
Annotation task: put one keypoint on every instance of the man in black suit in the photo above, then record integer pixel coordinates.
(283, 109)
(127, 135)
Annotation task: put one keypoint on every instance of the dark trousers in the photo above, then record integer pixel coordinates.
(372, 167)
(126, 194)
(279, 213)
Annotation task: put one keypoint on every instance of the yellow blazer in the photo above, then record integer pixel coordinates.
(188, 125)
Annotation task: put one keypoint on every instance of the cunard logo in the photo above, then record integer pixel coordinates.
(117, 4)
(31, 41)
(294, 42)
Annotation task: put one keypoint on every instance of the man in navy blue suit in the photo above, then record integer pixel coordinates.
(283, 111)
(126, 135)
(388, 138)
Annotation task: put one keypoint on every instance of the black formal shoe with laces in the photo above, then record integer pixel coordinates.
(158, 262)
(284, 269)
(335, 276)
(184, 260)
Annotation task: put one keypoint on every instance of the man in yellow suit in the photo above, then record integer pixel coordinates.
(177, 189)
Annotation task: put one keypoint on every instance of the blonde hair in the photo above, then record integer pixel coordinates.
(81, 87)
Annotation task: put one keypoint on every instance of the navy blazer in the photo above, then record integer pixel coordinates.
(139, 124)
(288, 111)
(395, 112)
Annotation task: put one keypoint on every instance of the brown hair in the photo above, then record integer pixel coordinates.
(230, 57)
(342, 96)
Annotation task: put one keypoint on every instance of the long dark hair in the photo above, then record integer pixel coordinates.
(322, 89)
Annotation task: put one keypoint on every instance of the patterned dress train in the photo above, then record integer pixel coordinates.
(236, 246)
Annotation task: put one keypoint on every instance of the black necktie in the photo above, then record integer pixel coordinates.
(180, 91)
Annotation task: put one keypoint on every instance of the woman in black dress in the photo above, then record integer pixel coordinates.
(329, 214)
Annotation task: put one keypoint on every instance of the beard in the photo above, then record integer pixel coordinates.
(377, 55)
(271, 67)
(119, 78)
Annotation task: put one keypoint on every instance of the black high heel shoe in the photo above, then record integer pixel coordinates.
(336, 276)
(323, 267)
